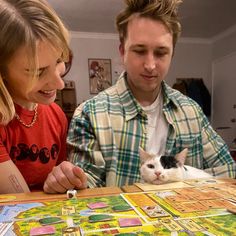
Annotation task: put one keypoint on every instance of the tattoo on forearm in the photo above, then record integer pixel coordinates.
(15, 184)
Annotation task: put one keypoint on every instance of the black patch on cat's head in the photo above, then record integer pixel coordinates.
(168, 162)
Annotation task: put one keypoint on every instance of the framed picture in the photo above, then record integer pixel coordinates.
(100, 76)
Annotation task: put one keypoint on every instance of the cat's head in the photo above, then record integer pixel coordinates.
(161, 169)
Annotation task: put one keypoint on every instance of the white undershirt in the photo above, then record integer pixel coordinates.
(157, 128)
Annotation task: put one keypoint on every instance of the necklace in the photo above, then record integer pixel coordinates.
(33, 120)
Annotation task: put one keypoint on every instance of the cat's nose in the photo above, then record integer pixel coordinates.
(157, 173)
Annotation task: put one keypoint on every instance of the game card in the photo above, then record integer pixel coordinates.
(200, 182)
(154, 211)
(67, 210)
(71, 231)
(190, 225)
(171, 225)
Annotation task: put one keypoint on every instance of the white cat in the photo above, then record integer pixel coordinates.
(162, 169)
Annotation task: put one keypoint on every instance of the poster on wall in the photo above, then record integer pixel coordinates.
(100, 76)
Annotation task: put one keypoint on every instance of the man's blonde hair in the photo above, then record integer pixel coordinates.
(23, 23)
(160, 10)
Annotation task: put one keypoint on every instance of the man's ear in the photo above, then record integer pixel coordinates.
(181, 157)
(122, 49)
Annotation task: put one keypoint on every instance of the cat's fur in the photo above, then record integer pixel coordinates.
(163, 169)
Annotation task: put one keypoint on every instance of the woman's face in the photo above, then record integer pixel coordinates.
(19, 77)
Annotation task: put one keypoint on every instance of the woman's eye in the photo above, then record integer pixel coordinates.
(40, 72)
(59, 60)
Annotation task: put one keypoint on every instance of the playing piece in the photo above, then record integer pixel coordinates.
(44, 230)
(50, 220)
(72, 193)
(127, 222)
(99, 218)
(97, 205)
(121, 208)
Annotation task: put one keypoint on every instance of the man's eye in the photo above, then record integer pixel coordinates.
(160, 54)
(140, 52)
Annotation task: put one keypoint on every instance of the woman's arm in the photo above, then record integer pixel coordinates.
(11, 180)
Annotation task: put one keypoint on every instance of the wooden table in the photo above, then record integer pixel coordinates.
(41, 196)
(95, 192)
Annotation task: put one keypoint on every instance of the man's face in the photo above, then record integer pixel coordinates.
(146, 54)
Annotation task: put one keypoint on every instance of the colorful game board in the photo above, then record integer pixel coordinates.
(199, 210)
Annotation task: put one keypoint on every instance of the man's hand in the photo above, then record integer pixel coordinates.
(63, 177)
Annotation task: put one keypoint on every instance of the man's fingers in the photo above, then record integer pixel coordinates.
(51, 185)
(65, 176)
(81, 175)
(75, 178)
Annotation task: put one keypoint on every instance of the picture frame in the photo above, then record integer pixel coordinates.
(100, 76)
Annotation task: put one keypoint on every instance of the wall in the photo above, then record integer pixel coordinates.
(224, 85)
(224, 44)
(192, 59)
(84, 46)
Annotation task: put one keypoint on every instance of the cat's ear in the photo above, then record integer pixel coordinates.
(143, 155)
(181, 157)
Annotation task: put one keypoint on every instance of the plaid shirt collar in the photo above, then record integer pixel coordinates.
(131, 105)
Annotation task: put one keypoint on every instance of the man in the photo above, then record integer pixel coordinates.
(141, 109)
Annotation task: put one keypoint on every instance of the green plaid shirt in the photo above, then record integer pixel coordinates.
(106, 132)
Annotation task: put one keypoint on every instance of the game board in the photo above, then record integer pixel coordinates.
(199, 210)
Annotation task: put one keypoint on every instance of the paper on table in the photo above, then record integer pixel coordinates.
(152, 187)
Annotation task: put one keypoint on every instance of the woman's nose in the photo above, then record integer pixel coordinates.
(57, 74)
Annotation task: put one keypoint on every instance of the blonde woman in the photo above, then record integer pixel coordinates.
(34, 49)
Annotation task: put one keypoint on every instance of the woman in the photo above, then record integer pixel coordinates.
(34, 48)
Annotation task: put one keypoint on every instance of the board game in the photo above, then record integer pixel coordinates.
(198, 208)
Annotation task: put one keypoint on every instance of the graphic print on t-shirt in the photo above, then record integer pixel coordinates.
(24, 152)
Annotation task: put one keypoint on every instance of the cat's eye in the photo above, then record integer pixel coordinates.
(151, 166)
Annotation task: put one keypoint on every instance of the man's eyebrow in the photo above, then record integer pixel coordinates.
(138, 45)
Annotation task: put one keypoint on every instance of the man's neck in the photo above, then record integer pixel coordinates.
(147, 99)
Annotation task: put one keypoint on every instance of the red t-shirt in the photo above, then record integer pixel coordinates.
(35, 150)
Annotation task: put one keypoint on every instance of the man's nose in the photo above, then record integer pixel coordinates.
(150, 63)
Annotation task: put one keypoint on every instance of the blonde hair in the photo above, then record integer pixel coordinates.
(160, 10)
(23, 23)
